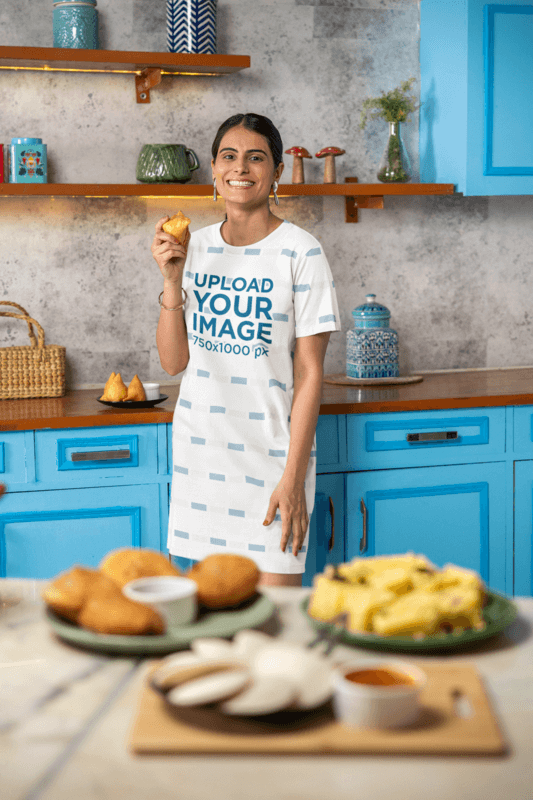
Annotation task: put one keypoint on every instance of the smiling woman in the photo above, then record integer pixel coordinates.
(251, 336)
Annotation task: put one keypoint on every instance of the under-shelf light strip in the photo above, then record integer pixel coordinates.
(115, 71)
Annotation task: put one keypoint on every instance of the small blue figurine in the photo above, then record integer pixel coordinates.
(372, 347)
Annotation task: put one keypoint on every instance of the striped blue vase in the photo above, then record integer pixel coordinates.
(192, 26)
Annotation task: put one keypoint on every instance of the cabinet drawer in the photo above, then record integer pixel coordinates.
(328, 441)
(16, 458)
(425, 438)
(92, 456)
(523, 430)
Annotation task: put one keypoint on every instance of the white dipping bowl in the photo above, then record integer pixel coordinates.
(152, 391)
(174, 598)
(362, 705)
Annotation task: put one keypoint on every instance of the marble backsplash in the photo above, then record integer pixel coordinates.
(454, 271)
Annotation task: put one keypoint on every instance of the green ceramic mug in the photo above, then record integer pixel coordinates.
(166, 163)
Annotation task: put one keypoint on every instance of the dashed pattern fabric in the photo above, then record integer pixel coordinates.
(246, 307)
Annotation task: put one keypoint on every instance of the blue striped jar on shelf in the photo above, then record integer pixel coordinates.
(372, 346)
(192, 26)
(76, 24)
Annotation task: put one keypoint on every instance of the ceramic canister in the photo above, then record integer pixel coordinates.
(192, 26)
(27, 161)
(76, 24)
(372, 346)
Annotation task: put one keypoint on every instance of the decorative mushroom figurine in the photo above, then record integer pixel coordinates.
(330, 154)
(299, 154)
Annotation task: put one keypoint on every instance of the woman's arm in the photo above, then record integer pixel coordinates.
(171, 336)
(289, 495)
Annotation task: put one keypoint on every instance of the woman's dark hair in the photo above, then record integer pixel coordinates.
(253, 122)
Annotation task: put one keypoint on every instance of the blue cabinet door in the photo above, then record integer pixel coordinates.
(453, 514)
(476, 63)
(43, 533)
(326, 528)
(523, 544)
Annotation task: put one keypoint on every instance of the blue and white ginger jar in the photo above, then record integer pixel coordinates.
(372, 346)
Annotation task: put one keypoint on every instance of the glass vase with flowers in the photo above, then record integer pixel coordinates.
(395, 107)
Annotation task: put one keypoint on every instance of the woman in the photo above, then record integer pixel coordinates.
(247, 309)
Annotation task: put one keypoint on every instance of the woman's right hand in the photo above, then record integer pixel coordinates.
(168, 253)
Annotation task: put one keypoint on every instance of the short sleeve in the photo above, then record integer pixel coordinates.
(314, 296)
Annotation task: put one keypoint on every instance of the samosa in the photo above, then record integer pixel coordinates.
(136, 390)
(110, 380)
(117, 390)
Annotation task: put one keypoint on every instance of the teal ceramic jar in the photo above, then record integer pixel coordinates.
(372, 346)
(27, 161)
(76, 24)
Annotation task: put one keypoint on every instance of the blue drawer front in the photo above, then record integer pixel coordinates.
(328, 445)
(85, 458)
(416, 438)
(16, 458)
(523, 430)
(43, 533)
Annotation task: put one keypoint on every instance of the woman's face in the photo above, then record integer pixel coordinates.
(244, 168)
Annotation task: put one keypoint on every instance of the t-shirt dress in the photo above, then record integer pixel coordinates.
(231, 426)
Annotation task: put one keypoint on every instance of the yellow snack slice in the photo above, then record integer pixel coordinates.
(327, 599)
(106, 387)
(414, 614)
(117, 391)
(136, 390)
(362, 605)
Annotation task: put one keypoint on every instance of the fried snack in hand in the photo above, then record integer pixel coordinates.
(119, 615)
(128, 564)
(224, 579)
(117, 390)
(68, 592)
(110, 380)
(135, 390)
(177, 226)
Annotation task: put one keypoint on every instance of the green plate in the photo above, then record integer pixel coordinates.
(223, 623)
(498, 613)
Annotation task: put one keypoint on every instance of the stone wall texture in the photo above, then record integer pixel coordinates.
(454, 271)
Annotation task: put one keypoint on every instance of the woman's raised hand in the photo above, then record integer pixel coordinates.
(168, 253)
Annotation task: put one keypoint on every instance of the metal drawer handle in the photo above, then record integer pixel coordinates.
(363, 542)
(432, 436)
(332, 512)
(101, 455)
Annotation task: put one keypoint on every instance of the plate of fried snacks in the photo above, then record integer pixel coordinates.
(405, 603)
(86, 607)
(118, 395)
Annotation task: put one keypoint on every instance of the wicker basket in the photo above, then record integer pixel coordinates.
(35, 370)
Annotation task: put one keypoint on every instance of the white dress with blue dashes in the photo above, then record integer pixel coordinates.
(231, 429)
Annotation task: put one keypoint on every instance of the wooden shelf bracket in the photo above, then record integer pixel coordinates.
(353, 204)
(146, 80)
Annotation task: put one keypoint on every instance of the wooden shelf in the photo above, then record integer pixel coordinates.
(360, 195)
(145, 66)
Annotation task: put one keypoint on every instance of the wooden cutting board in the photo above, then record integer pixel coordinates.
(466, 726)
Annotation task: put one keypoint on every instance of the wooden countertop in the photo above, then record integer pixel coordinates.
(473, 389)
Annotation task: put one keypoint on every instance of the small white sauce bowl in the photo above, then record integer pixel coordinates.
(361, 705)
(174, 598)
(152, 391)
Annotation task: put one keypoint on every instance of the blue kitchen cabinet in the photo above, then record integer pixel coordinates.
(75, 494)
(453, 514)
(43, 533)
(523, 507)
(476, 66)
(326, 526)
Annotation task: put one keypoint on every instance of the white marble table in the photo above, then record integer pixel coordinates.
(65, 716)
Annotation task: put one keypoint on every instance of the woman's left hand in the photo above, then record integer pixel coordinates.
(289, 497)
